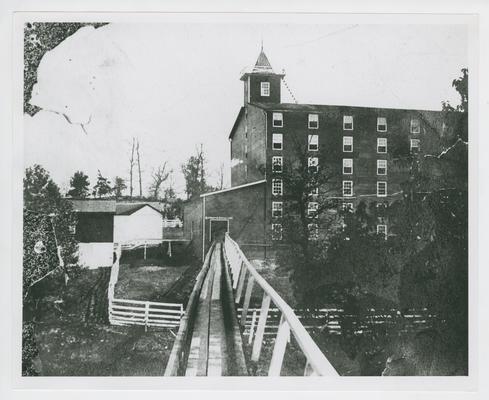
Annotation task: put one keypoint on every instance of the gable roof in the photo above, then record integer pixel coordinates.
(94, 206)
(128, 209)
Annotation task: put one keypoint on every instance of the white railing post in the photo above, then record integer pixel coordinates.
(281, 340)
(252, 327)
(146, 316)
(241, 281)
(260, 329)
(246, 303)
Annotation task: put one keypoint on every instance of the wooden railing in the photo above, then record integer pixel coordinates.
(138, 312)
(244, 277)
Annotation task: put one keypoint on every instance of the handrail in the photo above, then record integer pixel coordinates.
(316, 361)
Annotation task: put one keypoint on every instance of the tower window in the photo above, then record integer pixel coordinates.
(265, 89)
(347, 188)
(277, 140)
(276, 231)
(277, 209)
(313, 142)
(348, 207)
(415, 126)
(347, 144)
(348, 166)
(381, 124)
(314, 192)
(381, 167)
(277, 187)
(277, 120)
(347, 122)
(277, 163)
(382, 189)
(313, 121)
(312, 209)
(382, 230)
(381, 145)
(414, 145)
(312, 163)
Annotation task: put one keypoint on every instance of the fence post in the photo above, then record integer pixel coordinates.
(252, 327)
(281, 340)
(246, 303)
(260, 329)
(145, 250)
(146, 316)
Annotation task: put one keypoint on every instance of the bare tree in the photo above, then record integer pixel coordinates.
(159, 176)
(131, 166)
(220, 177)
(139, 169)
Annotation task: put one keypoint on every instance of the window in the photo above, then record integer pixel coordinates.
(348, 166)
(72, 229)
(313, 231)
(313, 121)
(276, 231)
(381, 167)
(415, 126)
(381, 145)
(312, 163)
(277, 140)
(277, 209)
(278, 121)
(314, 192)
(347, 188)
(347, 123)
(348, 144)
(382, 189)
(347, 207)
(313, 142)
(382, 230)
(265, 89)
(277, 163)
(312, 209)
(277, 187)
(381, 124)
(414, 145)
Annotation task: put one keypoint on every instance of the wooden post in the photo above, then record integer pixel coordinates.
(241, 281)
(260, 329)
(146, 316)
(246, 303)
(281, 340)
(252, 327)
(145, 251)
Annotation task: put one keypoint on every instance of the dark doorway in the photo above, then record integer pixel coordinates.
(218, 229)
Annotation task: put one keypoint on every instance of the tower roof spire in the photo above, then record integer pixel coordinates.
(262, 63)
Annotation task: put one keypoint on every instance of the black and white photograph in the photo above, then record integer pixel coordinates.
(227, 196)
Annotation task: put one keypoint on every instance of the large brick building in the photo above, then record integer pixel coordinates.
(364, 144)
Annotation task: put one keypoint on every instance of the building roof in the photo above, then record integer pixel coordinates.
(262, 64)
(234, 188)
(94, 206)
(130, 208)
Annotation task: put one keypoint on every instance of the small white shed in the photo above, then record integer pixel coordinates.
(134, 222)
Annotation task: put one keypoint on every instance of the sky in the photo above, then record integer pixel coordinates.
(175, 86)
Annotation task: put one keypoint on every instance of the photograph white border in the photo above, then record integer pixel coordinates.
(11, 288)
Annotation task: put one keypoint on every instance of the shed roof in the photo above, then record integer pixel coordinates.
(130, 208)
(94, 206)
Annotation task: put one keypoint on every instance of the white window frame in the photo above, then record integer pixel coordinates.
(381, 121)
(379, 145)
(348, 163)
(280, 163)
(347, 206)
(313, 162)
(415, 126)
(344, 187)
(313, 140)
(312, 209)
(277, 187)
(411, 142)
(277, 206)
(314, 192)
(313, 229)
(311, 119)
(275, 140)
(347, 119)
(265, 89)
(379, 185)
(277, 120)
(348, 141)
(381, 164)
(277, 232)
(382, 230)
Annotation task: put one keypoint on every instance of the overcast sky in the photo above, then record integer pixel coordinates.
(176, 85)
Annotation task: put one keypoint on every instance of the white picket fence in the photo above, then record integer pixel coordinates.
(138, 312)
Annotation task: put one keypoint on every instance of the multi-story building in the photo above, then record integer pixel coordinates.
(366, 143)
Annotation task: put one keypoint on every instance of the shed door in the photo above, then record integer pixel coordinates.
(218, 229)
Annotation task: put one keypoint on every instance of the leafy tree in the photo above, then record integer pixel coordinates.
(80, 185)
(461, 85)
(102, 188)
(119, 186)
(195, 174)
